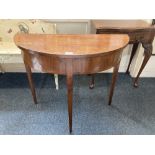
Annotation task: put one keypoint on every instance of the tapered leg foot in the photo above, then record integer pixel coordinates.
(92, 81)
(29, 75)
(114, 77)
(69, 91)
(1, 69)
(70, 99)
(56, 81)
(135, 84)
(147, 55)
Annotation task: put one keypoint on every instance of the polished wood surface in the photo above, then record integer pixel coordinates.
(120, 24)
(71, 45)
(69, 55)
(139, 31)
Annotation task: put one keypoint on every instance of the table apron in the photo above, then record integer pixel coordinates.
(81, 65)
(144, 35)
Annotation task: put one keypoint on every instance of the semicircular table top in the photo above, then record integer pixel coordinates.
(71, 54)
(71, 45)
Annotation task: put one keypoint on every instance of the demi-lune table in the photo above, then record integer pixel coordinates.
(139, 31)
(69, 55)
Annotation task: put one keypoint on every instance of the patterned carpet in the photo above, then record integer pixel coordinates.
(132, 110)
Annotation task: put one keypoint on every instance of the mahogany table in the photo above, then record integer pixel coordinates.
(139, 31)
(69, 55)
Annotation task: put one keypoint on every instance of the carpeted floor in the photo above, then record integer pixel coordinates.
(132, 110)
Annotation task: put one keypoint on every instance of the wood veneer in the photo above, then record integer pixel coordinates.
(69, 55)
(139, 31)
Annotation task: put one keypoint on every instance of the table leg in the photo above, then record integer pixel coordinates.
(114, 77)
(92, 81)
(29, 75)
(134, 49)
(70, 98)
(1, 69)
(56, 81)
(147, 54)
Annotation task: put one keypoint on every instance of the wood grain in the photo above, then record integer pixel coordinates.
(71, 54)
(139, 31)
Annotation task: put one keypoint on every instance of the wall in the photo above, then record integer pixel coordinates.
(71, 26)
(10, 56)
